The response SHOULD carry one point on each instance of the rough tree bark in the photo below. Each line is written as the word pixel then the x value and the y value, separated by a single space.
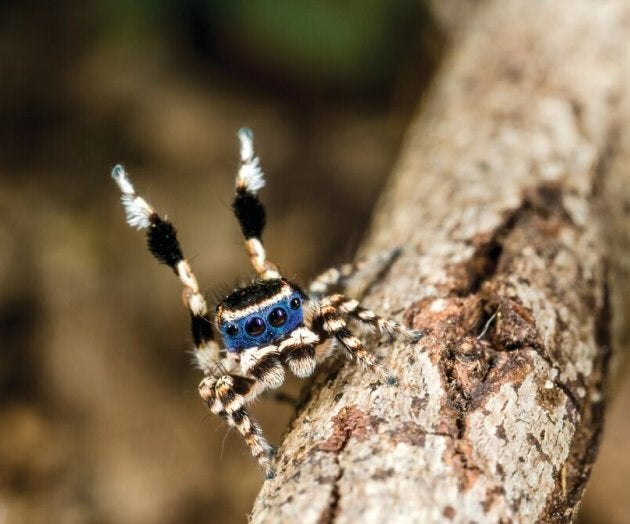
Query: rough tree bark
pixel 497 199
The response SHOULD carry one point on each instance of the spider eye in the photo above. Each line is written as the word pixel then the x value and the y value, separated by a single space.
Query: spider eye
pixel 255 326
pixel 277 317
pixel 231 329
pixel 295 303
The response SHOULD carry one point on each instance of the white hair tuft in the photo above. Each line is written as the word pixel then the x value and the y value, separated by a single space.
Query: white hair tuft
pixel 137 210
pixel 250 176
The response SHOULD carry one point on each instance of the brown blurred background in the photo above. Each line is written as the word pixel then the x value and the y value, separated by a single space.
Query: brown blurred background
pixel 100 421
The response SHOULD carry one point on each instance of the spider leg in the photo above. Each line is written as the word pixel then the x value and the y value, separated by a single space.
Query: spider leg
pixel 248 208
pixel 384 326
pixel 164 246
pixel 363 272
pixel 328 322
pixel 226 396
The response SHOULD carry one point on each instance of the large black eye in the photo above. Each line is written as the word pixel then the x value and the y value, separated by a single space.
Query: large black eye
pixel 231 329
pixel 255 326
pixel 277 317
pixel 295 303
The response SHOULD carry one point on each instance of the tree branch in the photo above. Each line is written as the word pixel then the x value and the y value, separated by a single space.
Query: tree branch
pixel 497 200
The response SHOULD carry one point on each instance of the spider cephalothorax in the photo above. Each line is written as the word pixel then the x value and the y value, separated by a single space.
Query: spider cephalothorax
pixel 266 326
pixel 265 312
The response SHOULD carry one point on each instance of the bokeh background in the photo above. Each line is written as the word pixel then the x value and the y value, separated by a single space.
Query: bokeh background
pixel 100 421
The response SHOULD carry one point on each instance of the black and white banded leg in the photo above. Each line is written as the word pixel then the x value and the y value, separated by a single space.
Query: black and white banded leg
pixel 164 246
pixel 328 322
pixel 350 307
pixel 227 396
pixel 248 208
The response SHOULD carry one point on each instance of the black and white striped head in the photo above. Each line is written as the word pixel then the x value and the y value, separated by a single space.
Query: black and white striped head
pixel 260 314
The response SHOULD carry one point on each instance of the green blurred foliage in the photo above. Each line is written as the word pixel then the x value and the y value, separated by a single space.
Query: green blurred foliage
pixel 344 45
pixel 351 43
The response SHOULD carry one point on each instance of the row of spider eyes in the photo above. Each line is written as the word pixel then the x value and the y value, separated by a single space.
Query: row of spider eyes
pixel 256 326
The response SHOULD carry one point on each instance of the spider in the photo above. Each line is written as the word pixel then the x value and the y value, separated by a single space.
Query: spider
pixel 266 326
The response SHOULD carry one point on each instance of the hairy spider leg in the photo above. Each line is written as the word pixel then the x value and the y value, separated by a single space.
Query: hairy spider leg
pixel 228 394
pixel 227 397
pixel 350 307
pixel 364 271
pixel 248 208
pixel 328 322
pixel 164 246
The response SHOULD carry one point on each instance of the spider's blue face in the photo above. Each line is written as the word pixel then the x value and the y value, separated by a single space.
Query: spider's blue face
pixel 260 314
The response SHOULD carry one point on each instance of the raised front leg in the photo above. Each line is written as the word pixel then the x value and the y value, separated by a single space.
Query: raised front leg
pixel 248 208
pixel 164 246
